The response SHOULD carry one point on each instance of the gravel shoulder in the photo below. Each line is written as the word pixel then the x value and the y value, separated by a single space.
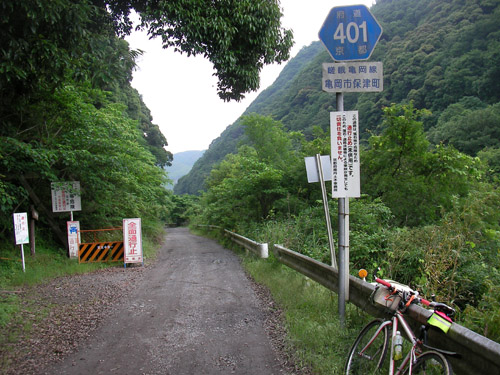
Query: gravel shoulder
pixel 193 311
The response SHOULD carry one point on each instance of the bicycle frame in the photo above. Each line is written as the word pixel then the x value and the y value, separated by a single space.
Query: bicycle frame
pixel 411 356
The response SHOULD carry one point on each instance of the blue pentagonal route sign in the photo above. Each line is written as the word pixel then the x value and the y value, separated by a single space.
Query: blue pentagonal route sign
pixel 350 33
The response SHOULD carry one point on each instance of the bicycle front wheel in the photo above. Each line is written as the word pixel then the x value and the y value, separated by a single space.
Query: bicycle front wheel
pixel 369 350
pixel 431 363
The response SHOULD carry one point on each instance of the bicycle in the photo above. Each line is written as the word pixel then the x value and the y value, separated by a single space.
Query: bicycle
pixel 370 348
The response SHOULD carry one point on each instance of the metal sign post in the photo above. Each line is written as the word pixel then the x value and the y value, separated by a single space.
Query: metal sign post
pixel 343 241
pixel 316 172
pixel 326 209
pixel 349 33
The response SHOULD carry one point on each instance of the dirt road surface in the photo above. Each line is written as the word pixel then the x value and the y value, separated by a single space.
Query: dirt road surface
pixel 193 312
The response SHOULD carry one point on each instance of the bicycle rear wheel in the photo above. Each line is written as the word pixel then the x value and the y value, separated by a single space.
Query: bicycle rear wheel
pixel 368 351
pixel 431 363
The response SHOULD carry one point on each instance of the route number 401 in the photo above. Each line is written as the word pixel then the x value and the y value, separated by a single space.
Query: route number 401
pixel 352 32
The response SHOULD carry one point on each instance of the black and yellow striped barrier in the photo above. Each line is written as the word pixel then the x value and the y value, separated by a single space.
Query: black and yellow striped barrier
pixel 100 252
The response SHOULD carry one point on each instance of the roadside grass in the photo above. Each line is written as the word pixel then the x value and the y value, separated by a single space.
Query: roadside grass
pixel 315 337
pixel 49 262
pixel 311 315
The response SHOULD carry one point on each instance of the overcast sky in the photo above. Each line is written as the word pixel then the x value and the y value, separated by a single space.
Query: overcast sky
pixel 181 91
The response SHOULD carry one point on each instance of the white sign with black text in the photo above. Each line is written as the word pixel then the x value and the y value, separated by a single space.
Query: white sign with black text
pixel 66 196
pixel 345 154
pixel 21 232
pixel 353 77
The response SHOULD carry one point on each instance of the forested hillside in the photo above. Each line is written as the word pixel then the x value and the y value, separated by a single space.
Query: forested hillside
pixel 69 113
pixel 429 211
pixel 442 55
pixel 181 165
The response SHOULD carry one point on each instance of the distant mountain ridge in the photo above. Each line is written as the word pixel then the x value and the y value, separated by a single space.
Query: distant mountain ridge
pixel 182 164
pixel 443 55
pixel 230 138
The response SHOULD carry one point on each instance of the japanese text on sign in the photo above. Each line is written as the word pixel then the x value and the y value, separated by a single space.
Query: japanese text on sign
pixel 345 154
pixel 132 241
pixel 353 77
pixel 66 196
pixel 73 238
pixel 350 33
pixel 21 228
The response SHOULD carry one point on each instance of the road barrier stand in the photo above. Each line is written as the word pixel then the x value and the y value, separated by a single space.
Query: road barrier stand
pixel 100 252
pixel 101 245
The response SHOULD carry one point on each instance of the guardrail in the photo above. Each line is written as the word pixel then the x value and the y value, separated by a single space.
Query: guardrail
pixel 480 355
pixel 261 249
pixel 211 227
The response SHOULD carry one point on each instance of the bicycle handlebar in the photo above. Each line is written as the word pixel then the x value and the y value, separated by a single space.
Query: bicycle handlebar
pixel 449 311
pixel 384 283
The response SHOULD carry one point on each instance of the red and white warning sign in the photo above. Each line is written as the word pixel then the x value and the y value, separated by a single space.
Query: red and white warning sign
pixel 132 241
pixel 345 154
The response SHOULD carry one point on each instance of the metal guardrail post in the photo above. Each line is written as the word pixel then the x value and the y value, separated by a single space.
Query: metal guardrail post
pixel 261 249
pixel 264 251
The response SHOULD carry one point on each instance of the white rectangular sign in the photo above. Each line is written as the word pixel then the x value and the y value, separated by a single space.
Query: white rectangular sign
pixel 132 241
pixel 66 196
pixel 312 168
pixel 73 238
pixel 353 77
pixel 345 154
pixel 21 228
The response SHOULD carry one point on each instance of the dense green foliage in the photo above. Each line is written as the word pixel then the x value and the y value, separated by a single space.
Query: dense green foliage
pixel 444 55
pixel 68 112
pixel 416 180
pixel 429 214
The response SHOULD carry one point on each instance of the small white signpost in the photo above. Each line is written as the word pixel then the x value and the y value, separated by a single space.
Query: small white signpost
pixel 66 198
pixel 21 232
pixel 73 238
pixel 132 241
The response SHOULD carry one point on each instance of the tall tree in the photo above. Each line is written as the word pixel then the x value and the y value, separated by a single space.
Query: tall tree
pixel 415 181
pixel 65 75
pixel 238 36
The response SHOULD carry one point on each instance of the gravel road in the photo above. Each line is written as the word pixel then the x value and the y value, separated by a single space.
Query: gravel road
pixel 194 311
